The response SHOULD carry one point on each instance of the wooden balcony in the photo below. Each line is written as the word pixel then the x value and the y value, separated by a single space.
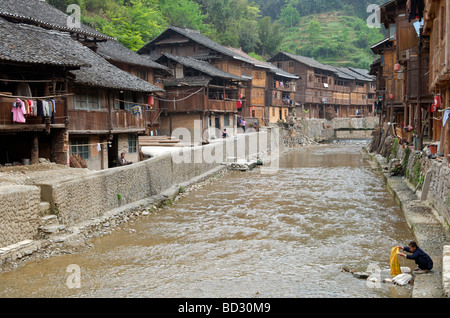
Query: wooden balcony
pixel 31 123
pixel 221 105
pixel 439 71
pixel 88 121
pixel 124 120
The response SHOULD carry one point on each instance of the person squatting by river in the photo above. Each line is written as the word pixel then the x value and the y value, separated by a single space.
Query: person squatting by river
pixel 423 261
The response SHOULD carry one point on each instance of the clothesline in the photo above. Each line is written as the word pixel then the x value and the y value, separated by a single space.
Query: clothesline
pixel 179 100
pixel 96 144
pixel 36 97
pixel 26 81
pixel 139 104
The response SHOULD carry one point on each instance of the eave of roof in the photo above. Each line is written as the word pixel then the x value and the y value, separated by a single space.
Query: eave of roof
pixel 197 37
pixel 23 43
pixel 43 14
pixel 114 51
pixel 203 67
pixel 265 65
pixel 104 74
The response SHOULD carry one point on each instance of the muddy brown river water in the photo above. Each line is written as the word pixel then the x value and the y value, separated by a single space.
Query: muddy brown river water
pixel 246 234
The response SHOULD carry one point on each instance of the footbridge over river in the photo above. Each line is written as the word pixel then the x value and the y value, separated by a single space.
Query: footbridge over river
pixel 338 128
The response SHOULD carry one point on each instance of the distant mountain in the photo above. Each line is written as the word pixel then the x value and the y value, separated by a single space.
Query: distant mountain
pixel 331 31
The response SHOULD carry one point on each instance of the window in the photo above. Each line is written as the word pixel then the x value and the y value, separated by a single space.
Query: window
pixel 132 143
pixel 80 146
pixel 392 31
pixel 291 64
pixel 141 73
pixel 226 120
pixel 86 99
pixel 128 99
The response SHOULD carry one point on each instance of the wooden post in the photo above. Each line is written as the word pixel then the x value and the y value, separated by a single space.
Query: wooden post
pixel 419 108
pixel 35 150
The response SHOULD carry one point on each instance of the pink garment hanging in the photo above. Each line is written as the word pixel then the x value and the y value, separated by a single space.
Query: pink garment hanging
pixel 19 111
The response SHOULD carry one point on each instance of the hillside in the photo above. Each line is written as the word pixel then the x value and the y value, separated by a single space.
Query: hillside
pixel 334 38
pixel 259 27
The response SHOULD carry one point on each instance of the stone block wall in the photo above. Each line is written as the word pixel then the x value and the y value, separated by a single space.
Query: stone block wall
pixel 19 213
pixel 439 189
pixel 83 197
pixel 90 196
pixel 430 176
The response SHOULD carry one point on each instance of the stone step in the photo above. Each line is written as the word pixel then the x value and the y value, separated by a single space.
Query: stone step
pixel 44 207
pixel 49 220
pixel 52 229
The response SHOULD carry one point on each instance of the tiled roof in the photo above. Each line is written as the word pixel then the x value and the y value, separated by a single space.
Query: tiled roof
pixel 257 63
pixel 44 14
pixel 104 74
pixel 197 37
pixel 114 51
pixel 347 73
pixel 203 67
pixel 30 44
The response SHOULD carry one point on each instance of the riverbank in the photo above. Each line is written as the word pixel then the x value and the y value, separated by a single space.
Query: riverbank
pixel 83 187
pixel 76 239
pixel 430 229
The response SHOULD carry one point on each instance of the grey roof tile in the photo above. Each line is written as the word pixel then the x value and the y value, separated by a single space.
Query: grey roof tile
pixel 29 44
pixel 115 51
pixel 37 11
pixel 203 67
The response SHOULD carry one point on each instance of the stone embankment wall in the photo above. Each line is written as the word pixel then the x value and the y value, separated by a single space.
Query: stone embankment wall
pixel 429 176
pixel 19 213
pixel 78 198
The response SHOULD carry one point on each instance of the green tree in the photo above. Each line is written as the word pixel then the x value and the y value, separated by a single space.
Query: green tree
pixel 270 35
pixel 289 15
pixel 313 31
pixel 183 13
pixel 133 24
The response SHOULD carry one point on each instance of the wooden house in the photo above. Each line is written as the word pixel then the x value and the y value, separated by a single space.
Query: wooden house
pixel 198 91
pixel 34 64
pixel 402 73
pixel 271 91
pixel 437 27
pixel 351 92
pixel 99 121
pixel 140 66
pixel 107 111
pixel 191 43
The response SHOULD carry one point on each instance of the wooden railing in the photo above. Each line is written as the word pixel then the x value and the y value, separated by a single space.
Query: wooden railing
pixel 222 105
pixel 85 120
pixel 123 119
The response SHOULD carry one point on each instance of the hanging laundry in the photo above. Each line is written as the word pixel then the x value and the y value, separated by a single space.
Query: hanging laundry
pixel 19 111
pixel 416 8
pixel 445 117
pixel 135 109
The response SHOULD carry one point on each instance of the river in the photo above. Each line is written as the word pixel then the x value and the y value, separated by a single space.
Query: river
pixel 246 234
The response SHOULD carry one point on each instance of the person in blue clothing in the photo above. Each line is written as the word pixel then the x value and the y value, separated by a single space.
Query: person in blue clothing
pixel 423 261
